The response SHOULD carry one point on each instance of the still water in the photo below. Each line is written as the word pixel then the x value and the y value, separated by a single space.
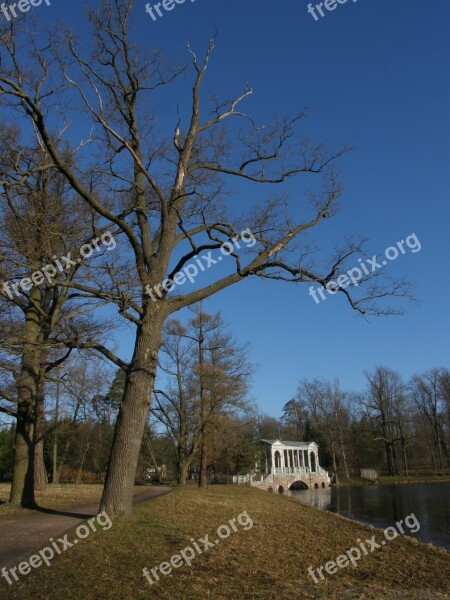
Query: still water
pixel 384 505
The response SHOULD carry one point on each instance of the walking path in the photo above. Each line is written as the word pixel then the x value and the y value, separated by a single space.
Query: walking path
pixel 20 536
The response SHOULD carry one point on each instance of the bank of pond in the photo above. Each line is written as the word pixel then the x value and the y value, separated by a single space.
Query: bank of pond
pixel 383 505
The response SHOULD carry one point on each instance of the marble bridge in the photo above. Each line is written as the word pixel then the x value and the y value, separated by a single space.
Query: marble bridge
pixel 288 465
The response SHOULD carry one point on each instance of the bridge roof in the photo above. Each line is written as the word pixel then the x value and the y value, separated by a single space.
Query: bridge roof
pixel 290 444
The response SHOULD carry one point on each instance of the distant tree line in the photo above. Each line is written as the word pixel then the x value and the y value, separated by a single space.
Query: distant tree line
pixel 392 426
pixel 203 424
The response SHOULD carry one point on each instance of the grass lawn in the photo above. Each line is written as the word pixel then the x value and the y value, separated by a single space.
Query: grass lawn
pixel 269 560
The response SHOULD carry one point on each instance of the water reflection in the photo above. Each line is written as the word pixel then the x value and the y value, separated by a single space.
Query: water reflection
pixel 384 505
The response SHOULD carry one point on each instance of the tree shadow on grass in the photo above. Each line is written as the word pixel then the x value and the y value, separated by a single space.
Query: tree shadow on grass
pixel 65 513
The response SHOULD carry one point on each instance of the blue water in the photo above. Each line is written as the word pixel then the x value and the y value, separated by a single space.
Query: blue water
pixel 383 505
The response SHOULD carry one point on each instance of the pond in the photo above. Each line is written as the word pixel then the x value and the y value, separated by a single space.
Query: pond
pixel 383 505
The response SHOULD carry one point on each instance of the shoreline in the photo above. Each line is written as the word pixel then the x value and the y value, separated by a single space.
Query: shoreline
pixel 365 483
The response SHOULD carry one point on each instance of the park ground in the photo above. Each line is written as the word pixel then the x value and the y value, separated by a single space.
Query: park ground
pixel 268 560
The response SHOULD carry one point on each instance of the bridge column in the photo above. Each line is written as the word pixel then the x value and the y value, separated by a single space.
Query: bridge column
pixel 306 458
pixel 274 461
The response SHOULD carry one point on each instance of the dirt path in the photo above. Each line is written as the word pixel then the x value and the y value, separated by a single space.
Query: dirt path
pixel 20 536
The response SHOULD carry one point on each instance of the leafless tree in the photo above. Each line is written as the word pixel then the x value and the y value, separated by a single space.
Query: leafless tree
pixel 166 193
pixel 429 392
pixel 385 402
pixel 210 382
pixel 43 221
pixel 327 407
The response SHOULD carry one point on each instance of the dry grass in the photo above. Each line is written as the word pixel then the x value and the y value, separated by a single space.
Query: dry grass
pixel 268 561
pixel 57 497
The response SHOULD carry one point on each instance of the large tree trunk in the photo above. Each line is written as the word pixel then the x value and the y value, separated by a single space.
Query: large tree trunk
pixel 118 491
pixel 22 488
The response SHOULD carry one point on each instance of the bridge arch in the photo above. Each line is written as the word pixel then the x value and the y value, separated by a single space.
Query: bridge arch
pixel 298 485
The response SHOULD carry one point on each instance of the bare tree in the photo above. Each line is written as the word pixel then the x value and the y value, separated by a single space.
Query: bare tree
pixel 326 405
pixel 175 406
pixel 444 389
pixel 43 220
pixel 428 392
pixel 210 381
pixel 384 403
pixel 166 193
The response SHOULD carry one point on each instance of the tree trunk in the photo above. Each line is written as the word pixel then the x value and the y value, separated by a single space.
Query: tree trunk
pixel 183 468
pixel 40 472
pixel 56 471
pixel 120 476
pixel 405 459
pixel 203 481
pixel 22 488
pixel 183 465
pixel 203 477
pixel 390 458
pixel 80 470
pixel 343 452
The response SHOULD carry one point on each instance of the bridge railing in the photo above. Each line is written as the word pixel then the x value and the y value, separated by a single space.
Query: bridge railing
pixel 291 471
pixel 299 471
pixel 322 471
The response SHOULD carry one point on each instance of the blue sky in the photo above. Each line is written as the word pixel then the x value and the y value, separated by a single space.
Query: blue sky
pixel 374 74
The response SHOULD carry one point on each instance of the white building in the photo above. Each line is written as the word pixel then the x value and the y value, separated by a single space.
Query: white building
pixel 288 465
pixel 285 458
